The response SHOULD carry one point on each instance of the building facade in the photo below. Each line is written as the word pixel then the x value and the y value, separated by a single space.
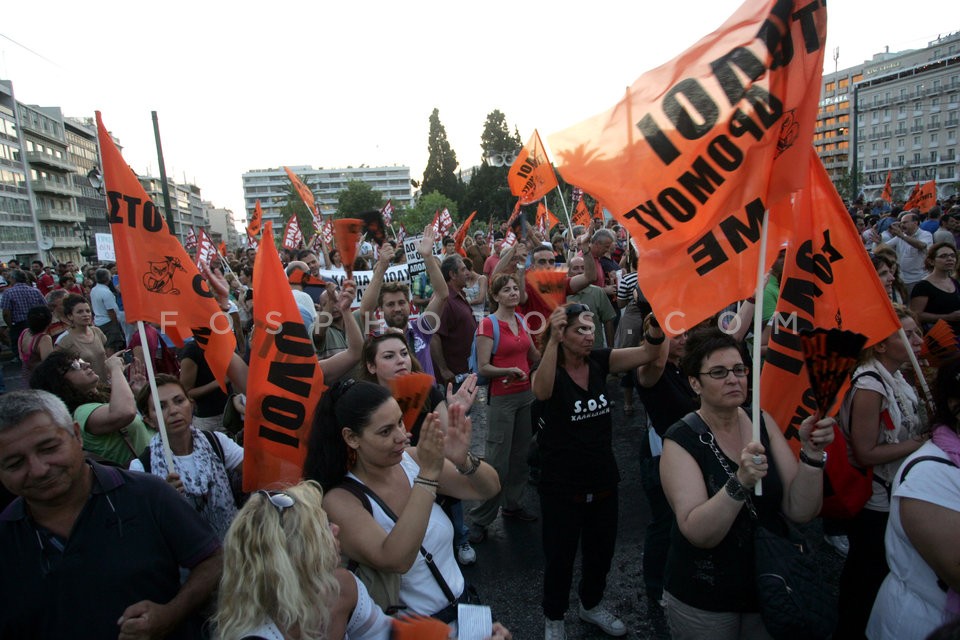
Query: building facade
pixel 272 187
pixel 19 231
pixel 186 204
pixel 222 226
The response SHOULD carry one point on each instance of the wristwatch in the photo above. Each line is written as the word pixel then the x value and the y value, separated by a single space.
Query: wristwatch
pixel 473 462
pixel 807 460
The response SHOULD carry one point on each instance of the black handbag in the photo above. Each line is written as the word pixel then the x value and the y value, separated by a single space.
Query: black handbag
pixel 791 589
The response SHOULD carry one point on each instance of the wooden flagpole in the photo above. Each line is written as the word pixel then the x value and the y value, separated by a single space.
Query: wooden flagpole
pixel 152 381
pixel 757 332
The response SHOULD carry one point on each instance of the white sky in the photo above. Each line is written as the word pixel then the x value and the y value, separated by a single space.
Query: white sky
pixel 239 86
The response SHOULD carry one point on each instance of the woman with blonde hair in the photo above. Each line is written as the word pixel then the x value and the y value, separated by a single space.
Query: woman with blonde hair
pixel 281 578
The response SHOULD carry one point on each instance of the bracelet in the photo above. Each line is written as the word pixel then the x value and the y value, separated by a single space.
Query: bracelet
pixel 431 488
pixel 653 341
pixel 807 460
pixel 473 463
pixel 426 481
pixel 735 490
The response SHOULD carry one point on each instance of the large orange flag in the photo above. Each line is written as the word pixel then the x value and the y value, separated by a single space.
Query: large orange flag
pixel 160 282
pixel 531 176
pixel 887 189
pixel 346 233
pixel 307 196
pixel 461 234
pixel 581 215
pixel 828 282
pixel 253 229
pixel 285 381
pixel 700 147
pixel 923 197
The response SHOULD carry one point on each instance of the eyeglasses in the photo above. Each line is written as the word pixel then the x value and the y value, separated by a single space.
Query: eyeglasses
pixel 577 309
pixel 79 365
pixel 719 373
pixel 279 500
pixel 947 256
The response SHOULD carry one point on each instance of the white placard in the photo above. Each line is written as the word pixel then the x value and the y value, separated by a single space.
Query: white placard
pixel 397 273
pixel 105 251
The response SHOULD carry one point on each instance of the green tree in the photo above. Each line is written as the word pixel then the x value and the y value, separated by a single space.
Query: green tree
pixel 293 205
pixel 844 183
pixel 440 174
pixel 488 192
pixel 358 197
pixel 421 214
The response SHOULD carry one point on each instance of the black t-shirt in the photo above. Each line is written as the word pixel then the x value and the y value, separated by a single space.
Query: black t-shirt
pixel 576 445
pixel 938 300
pixel 212 403
pixel 722 578
pixel 669 399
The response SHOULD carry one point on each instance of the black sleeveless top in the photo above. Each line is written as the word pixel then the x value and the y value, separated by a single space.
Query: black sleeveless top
pixel 720 579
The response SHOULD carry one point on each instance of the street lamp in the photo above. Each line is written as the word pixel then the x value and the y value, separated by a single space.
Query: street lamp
pixel 84 229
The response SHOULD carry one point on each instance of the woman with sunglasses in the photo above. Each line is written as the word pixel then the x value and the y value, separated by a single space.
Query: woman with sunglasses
pixel 359 445
pixel 579 476
pixel 884 422
pixel 207 465
pixel 937 296
pixel 107 415
pixel 709 467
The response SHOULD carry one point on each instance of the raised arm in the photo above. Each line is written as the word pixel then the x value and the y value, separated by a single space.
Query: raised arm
pixel 546 374
pixel 368 305
pixel 341 363
pixel 440 289
pixel 122 408
pixel 583 280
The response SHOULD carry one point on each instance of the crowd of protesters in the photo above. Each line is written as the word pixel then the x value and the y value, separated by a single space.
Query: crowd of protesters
pixel 108 527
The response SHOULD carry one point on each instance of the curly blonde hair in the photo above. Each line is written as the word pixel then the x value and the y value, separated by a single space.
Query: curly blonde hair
pixel 279 566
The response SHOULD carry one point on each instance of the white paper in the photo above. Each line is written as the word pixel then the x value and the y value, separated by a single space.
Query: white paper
pixel 474 621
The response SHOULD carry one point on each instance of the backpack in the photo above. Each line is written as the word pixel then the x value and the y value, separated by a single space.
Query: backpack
pixel 473 363
pixel 846 487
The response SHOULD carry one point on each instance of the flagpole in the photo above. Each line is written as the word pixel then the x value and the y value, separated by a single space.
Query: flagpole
pixel 152 381
pixel 163 174
pixel 757 332
pixel 916 367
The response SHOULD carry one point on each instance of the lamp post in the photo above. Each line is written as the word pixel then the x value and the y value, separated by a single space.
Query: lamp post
pixel 84 229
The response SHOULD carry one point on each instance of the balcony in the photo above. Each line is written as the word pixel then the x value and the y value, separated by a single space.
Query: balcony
pixel 67 242
pixel 951 123
pixel 43 159
pixel 933 126
pixel 58 215
pixel 917 128
pixel 58 188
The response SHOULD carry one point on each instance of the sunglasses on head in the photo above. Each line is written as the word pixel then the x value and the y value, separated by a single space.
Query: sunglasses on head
pixel 577 309
pixel 280 500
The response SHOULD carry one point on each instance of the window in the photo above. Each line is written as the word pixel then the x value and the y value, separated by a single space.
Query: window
pixel 900 160
pixel 886 163
pixel 916 158
pixel 933 156
pixel 933 139
pixel 951 153
pixel 900 145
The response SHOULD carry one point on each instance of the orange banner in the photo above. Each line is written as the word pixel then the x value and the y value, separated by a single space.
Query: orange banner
pixel 223 249
pixel 307 196
pixel 253 229
pixel 346 233
pixel 550 285
pixel 285 381
pixel 923 197
pixel 160 282
pixel 828 282
pixel 700 147
pixel 545 220
pixel 581 215
pixel 410 392
pixel 531 176
pixel 461 234
pixel 887 190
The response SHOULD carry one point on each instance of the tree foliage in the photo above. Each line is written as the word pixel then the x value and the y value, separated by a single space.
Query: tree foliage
pixel 421 214
pixel 358 197
pixel 440 174
pixel 845 184
pixel 488 192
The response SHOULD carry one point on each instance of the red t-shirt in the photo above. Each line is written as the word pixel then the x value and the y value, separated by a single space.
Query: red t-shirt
pixel 511 352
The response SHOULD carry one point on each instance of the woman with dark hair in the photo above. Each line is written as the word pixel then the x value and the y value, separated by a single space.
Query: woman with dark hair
pixel 107 415
pixel 709 468
pixel 358 447
pixel 34 344
pixel 579 476
pixel 82 338
pixel 335 259
pixel 921 591
pixel 937 296
pixel 886 257
pixel 68 282
pixel 58 323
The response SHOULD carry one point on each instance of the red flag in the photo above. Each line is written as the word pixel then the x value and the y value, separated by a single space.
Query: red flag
pixel 531 176
pixel 284 384
pixel 887 189
pixel 205 249
pixel 387 212
pixel 700 147
pixel 436 222
pixel 401 234
pixel 326 234
pixel 828 282
pixel 292 236
pixel 347 232
pixel 923 197
pixel 445 222
pixel 190 244
pixel 252 243
pixel 160 282
pixel 253 229
pixel 461 234
pixel 223 249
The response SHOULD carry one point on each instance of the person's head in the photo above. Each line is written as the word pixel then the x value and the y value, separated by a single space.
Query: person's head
pixel 449 246
pixel 41 455
pixel 102 276
pixel 543 257
pixel 575 267
pixel 946 394
pixel 292 269
pixel 557 243
pixel 55 298
pixel 335 258
pixel 309 258
pixel 69 377
pixel 860 223
pixel 279 557
pixel 454 272
pixel 175 405
pixel 504 291
pixel 385 356
pixel 601 242
pixel 357 423
pixel 910 221
pixel 468 263
pixel 713 363
pixel 394 303
pixel 892 352
pixel 67 281
pixel 38 319
pixel 77 312
pixel 578 336
pixel 37 267
pixel 941 257
pixel 951 222
pixel 13 263
pixel 885 270
pixel 18 276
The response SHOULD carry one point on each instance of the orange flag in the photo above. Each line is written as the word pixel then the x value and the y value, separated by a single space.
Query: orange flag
pixel 410 392
pixel 307 196
pixel 545 220
pixel 223 249
pixel 253 229
pixel 531 176
pixel 160 282
pixel 285 381
pixel 581 215
pixel 923 197
pixel 598 211
pixel 828 282
pixel 887 189
pixel 346 233
pixel 461 234
pixel 550 285
pixel 700 147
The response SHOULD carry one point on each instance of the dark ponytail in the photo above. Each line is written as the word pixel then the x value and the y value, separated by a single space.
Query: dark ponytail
pixel 346 404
